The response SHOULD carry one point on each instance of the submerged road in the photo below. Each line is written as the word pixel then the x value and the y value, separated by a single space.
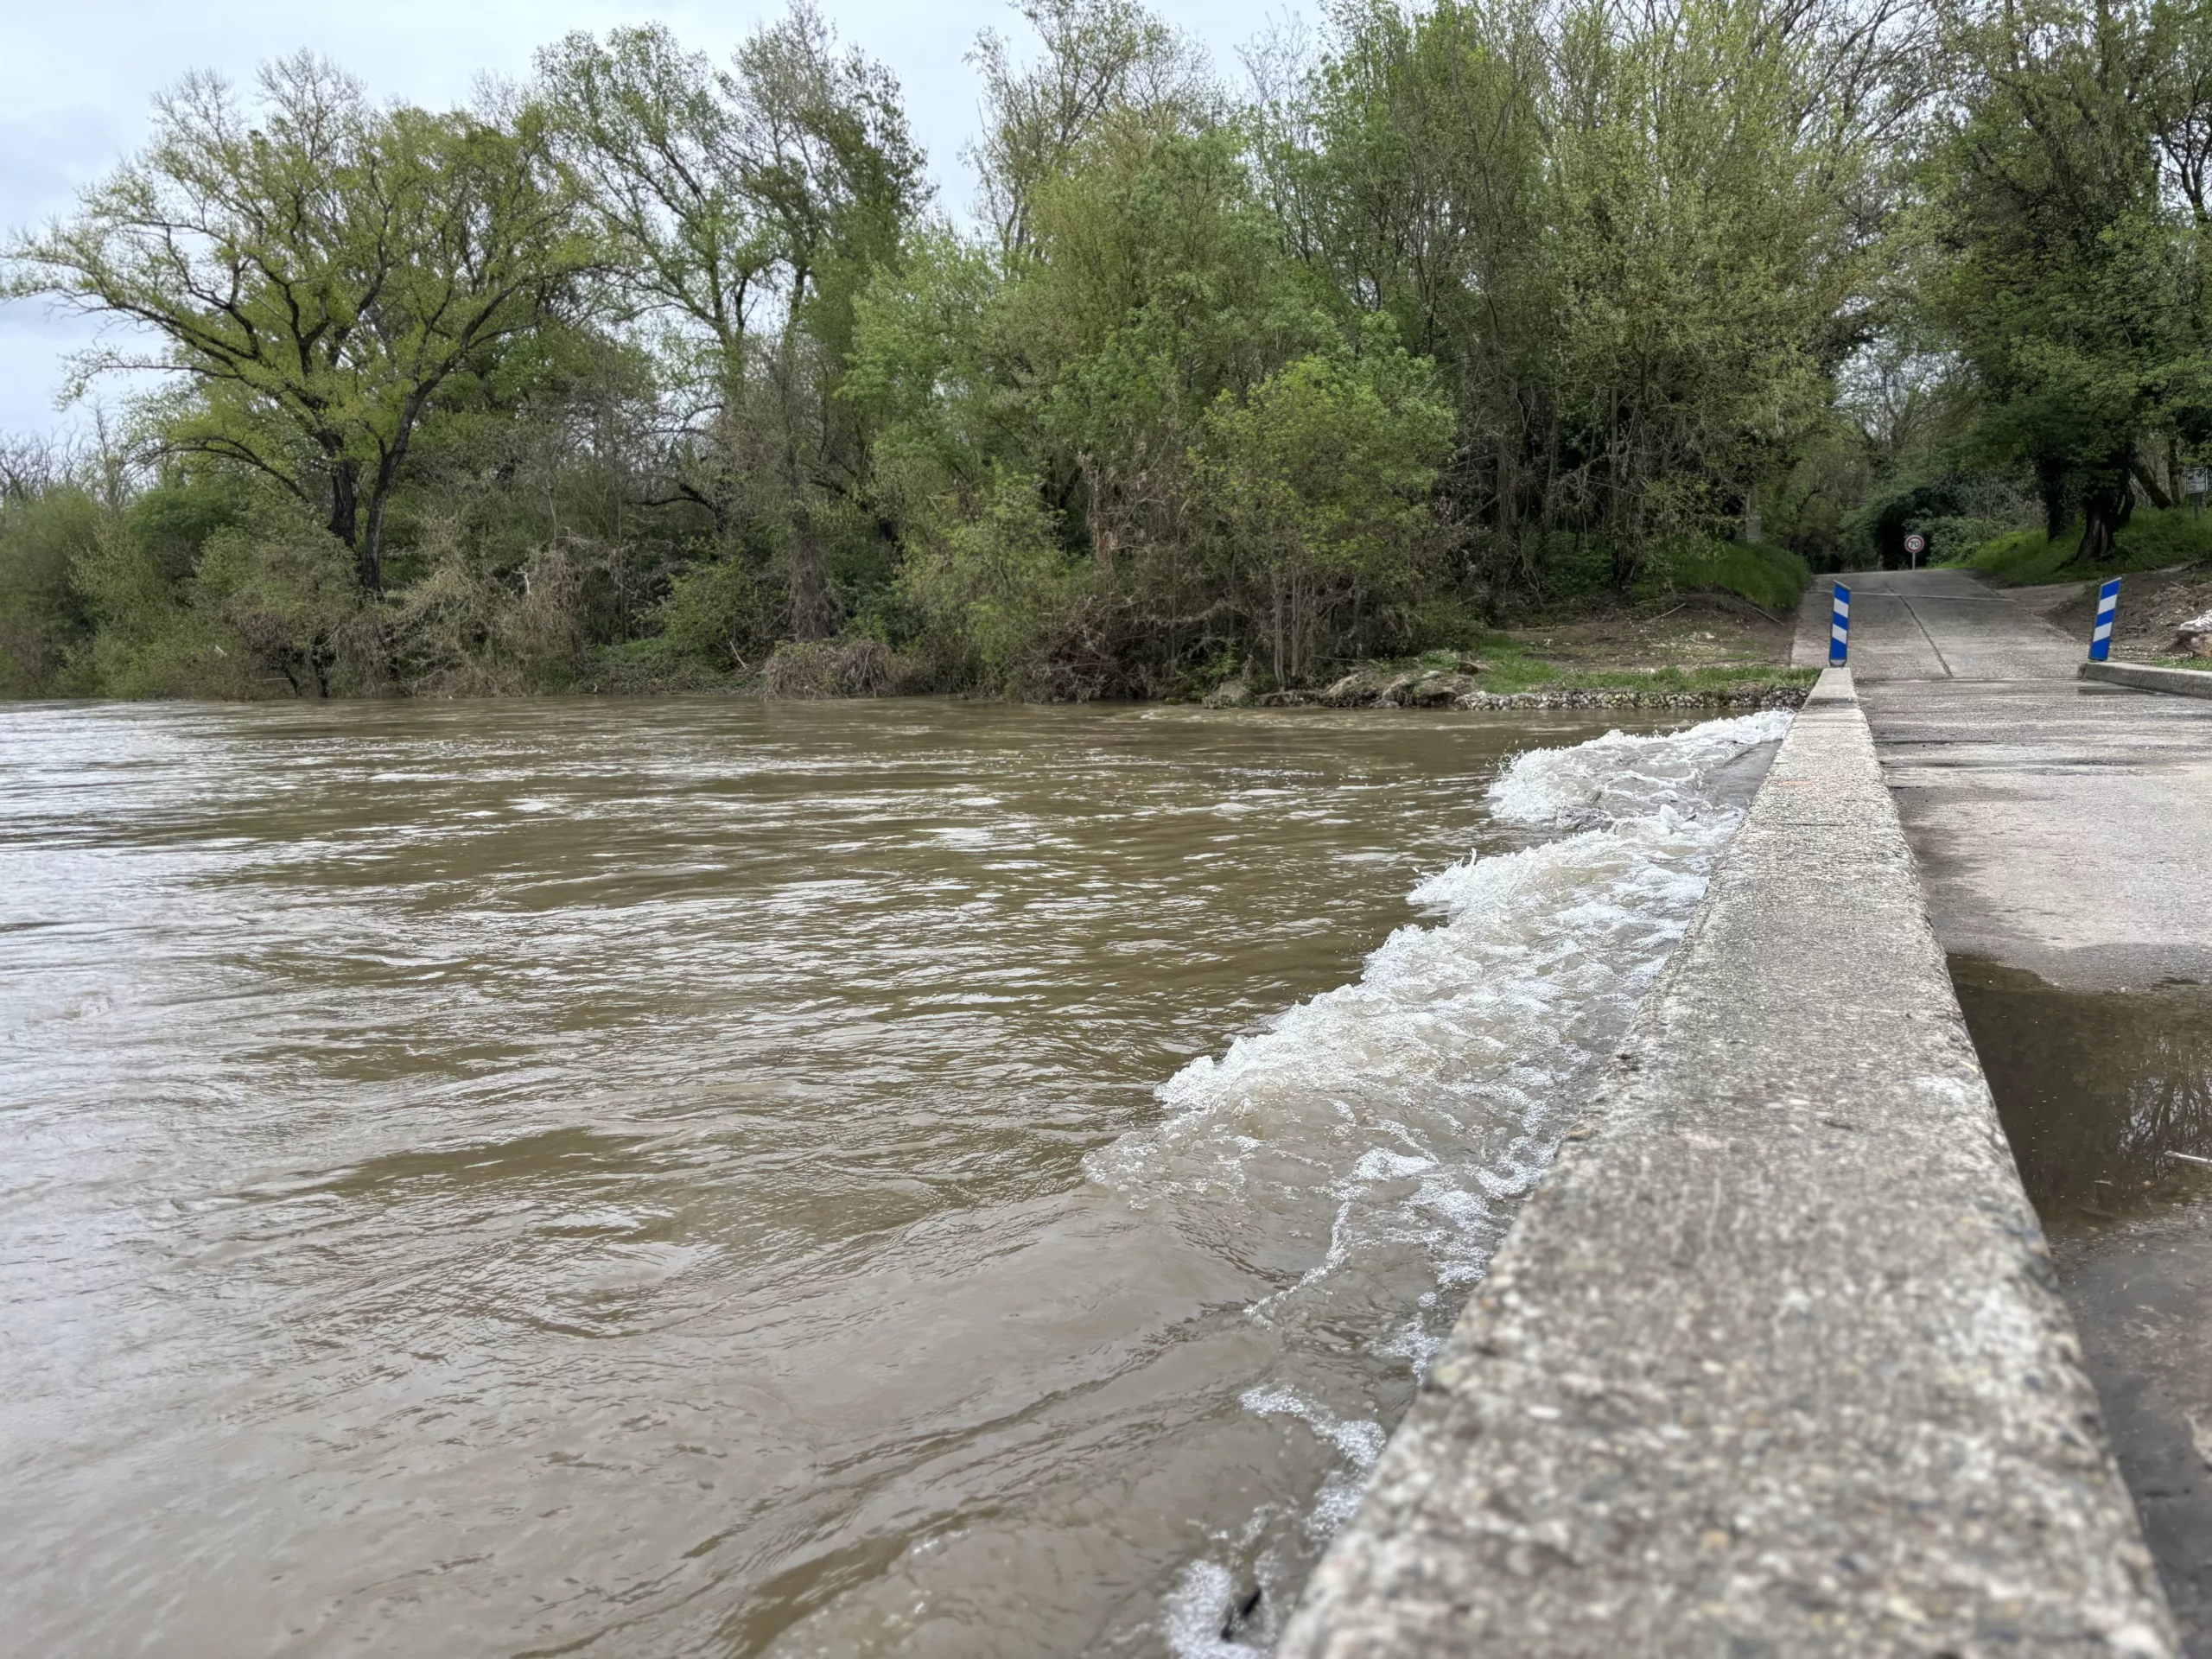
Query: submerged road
pixel 2063 833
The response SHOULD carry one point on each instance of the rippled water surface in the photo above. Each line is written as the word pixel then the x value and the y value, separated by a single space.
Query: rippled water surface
pixel 710 1178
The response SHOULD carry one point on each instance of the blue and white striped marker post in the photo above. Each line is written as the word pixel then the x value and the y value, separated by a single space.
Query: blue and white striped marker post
pixel 1840 627
pixel 2107 602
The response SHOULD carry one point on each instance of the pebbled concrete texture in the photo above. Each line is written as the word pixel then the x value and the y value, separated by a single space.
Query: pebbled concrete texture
pixel 1772 1363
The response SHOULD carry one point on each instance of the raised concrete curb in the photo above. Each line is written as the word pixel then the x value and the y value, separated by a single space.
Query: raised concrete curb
pixel 1772 1363
pixel 2142 677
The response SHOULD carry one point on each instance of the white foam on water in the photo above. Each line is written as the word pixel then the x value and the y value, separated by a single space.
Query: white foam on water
pixel 1367 1151
pixel 1193 1615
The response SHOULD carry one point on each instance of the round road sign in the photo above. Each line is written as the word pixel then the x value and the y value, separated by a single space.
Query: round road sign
pixel 1916 542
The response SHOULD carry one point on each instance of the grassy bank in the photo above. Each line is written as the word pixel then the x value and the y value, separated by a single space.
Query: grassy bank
pixel 1771 578
pixel 2154 539
pixel 1510 666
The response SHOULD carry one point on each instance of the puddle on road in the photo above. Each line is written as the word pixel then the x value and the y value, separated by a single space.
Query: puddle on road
pixel 2098 1089
pixel 2106 1098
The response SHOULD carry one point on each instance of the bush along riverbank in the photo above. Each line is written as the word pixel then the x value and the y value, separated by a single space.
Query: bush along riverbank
pixel 1711 649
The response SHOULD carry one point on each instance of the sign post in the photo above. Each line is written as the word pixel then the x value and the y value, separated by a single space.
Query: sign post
pixel 2107 602
pixel 1914 546
pixel 1840 627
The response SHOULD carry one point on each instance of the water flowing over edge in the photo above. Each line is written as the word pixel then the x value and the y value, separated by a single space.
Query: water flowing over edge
pixel 1420 1105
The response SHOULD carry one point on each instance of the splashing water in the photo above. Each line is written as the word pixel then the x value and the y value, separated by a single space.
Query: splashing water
pixel 1421 1103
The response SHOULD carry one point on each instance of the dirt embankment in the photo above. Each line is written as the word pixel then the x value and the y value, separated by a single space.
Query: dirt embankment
pixel 1697 631
pixel 1703 651
pixel 2153 604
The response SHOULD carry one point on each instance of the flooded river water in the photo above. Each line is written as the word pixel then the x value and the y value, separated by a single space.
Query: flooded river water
pixel 712 1178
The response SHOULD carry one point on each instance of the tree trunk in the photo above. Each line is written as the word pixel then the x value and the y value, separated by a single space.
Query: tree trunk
pixel 1276 583
pixel 1509 494
pixel 370 556
pixel 2149 480
pixel 814 608
pixel 371 552
pixel 2105 510
pixel 345 509
pixel 2051 484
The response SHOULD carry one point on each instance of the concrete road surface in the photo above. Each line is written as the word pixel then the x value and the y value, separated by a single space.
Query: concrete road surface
pixel 2060 828
pixel 2065 829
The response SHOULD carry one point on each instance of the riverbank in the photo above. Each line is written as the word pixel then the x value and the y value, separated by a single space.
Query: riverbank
pixel 1710 650
pixel 1697 650
pixel 1386 686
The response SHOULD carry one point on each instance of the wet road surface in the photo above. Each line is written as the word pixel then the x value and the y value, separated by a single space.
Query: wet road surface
pixel 2063 833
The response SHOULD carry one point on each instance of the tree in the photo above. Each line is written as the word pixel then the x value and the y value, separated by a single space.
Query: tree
pixel 653 145
pixel 319 276
pixel 2070 235
pixel 1632 238
pixel 1318 483
pixel 1099 57
pixel 745 208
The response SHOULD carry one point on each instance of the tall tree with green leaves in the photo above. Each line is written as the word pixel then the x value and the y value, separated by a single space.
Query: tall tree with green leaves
pixel 1632 237
pixel 2052 269
pixel 745 208
pixel 318 271
pixel 1097 59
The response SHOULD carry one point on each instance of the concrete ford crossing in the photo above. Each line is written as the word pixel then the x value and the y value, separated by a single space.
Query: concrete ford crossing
pixel 1772 1364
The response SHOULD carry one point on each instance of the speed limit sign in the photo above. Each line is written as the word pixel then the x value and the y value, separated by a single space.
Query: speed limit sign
pixel 1915 544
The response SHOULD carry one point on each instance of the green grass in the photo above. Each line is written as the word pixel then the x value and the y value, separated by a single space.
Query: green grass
pixel 2152 541
pixel 1770 578
pixel 1508 677
pixel 1508 667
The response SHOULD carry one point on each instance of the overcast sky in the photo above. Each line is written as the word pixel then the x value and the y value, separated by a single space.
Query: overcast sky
pixel 77 77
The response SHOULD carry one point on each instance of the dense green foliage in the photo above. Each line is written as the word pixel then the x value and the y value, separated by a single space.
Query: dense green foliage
pixel 2151 540
pixel 658 372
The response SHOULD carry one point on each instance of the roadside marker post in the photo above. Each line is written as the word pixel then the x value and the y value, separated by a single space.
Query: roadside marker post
pixel 1840 627
pixel 2107 602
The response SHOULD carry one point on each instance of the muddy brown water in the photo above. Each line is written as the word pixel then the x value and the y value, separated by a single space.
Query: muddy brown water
pixel 2106 1098
pixel 695 1177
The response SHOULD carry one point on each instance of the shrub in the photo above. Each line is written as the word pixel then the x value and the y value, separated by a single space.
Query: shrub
pixel 466 630
pixel 848 668
pixel 44 619
pixel 993 588
pixel 281 591
pixel 723 612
